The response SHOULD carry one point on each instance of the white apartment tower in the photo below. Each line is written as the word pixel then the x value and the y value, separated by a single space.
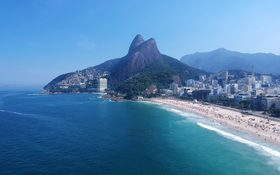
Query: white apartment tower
pixel 102 84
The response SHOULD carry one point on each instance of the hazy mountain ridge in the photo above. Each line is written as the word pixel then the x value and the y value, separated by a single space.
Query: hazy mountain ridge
pixel 222 59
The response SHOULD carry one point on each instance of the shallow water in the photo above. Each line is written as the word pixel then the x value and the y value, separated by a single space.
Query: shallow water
pixel 83 134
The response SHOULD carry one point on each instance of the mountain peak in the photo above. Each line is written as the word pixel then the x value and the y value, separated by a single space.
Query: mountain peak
pixel 137 41
pixel 149 44
pixel 143 61
pixel 221 50
pixel 146 50
pixel 223 59
pixel 141 55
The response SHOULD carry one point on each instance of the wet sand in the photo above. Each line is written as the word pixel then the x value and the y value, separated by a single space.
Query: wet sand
pixel 264 128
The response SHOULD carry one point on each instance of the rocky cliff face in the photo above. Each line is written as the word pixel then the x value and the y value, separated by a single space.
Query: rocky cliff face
pixel 138 40
pixel 141 54
pixel 142 57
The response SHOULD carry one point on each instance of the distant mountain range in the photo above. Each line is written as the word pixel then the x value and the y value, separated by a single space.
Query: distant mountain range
pixel 143 66
pixel 222 59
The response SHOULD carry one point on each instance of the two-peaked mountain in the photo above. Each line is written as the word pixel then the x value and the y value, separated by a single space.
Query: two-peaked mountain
pixel 143 66
pixel 222 59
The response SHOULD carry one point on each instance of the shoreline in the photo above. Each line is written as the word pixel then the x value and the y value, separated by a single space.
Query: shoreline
pixel 262 128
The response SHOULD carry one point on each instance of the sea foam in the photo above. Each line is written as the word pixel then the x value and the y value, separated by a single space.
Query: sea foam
pixel 264 150
pixel 199 119
pixel 273 155
pixel 36 94
pixel 182 113
pixel 12 112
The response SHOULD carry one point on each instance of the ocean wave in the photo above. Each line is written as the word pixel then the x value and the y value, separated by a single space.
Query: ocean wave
pixel 33 116
pixel 13 112
pixel 37 94
pixel 264 150
pixel 274 155
pixel 148 103
pixel 189 115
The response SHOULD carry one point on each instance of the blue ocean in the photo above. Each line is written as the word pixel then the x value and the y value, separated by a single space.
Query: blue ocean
pixel 86 134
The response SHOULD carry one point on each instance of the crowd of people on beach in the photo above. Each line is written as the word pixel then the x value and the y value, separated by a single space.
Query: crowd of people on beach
pixel 261 127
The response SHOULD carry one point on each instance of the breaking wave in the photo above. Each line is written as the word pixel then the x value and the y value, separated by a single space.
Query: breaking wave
pixel 13 112
pixel 264 150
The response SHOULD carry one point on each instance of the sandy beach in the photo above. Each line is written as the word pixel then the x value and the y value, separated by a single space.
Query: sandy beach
pixel 263 128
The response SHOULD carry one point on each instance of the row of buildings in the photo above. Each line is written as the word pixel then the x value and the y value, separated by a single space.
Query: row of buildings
pixel 260 92
pixel 97 84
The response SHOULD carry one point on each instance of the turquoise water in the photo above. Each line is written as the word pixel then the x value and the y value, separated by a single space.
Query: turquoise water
pixel 84 134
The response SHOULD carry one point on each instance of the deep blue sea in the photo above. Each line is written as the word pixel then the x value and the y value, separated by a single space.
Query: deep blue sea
pixel 85 134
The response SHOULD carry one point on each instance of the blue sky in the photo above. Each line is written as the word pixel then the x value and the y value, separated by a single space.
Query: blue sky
pixel 40 39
